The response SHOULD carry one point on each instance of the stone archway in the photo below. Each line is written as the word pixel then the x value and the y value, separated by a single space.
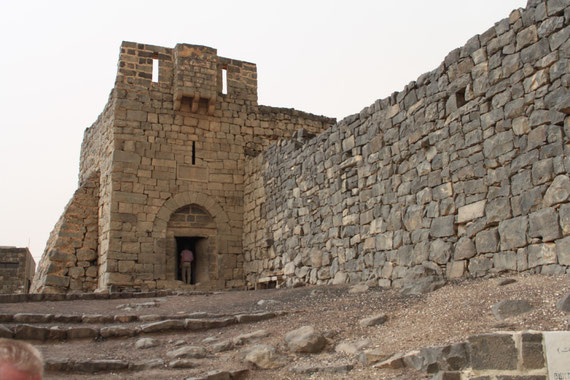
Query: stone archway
pixel 191 227
pixel 197 217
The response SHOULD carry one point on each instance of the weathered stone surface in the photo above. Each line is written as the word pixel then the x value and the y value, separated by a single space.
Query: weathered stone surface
pixel 225 345
pixel 558 191
pixel 422 285
pixel 510 308
pixel 372 356
pixel 309 369
pixel 32 318
pixel 544 224
pixel 493 351
pixel 82 333
pixel 187 352
pixel 443 226
pixel 263 356
pixel 471 211
pixel 513 233
pixel 183 363
pixel 169 324
pixel 440 251
pixel 397 361
pixel 251 337
pixel 373 320
pixel 563 251
pixel 146 343
pixel 541 254
pixel 505 261
pixel 117 331
pixel 351 348
pixel 532 351
pixel 564 303
pixel 464 249
pixel 96 318
pixel 487 241
pixel 29 332
pixel 305 339
pixel 249 318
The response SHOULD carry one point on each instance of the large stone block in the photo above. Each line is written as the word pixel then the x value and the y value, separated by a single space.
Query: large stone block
pixel 563 251
pixel 471 211
pixel 493 352
pixel 498 144
pixel 465 249
pixel 558 191
pixel 505 261
pixel 541 254
pixel 480 266
pixel 513 233
pixel 443 226
pixel 544 224
pixel 440 251
pixel 498 209
pixel 487 241
pixel 532 351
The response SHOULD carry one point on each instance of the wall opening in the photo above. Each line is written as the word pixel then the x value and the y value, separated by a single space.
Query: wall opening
pixel 199 267
pixel 460 98
pixel 224 80
pixel 193 152
pixel 155 68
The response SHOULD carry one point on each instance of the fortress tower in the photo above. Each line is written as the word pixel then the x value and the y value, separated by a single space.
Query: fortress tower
pixel 163 168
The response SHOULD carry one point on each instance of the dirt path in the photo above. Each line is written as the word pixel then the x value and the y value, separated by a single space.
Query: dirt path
pixel 450 314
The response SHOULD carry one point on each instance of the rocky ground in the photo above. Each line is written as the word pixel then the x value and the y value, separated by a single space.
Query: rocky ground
pixel 447 315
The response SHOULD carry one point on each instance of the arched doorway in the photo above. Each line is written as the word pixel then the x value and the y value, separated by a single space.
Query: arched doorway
pixel 194 228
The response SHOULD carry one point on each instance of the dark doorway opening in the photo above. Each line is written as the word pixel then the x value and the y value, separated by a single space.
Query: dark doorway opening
pixel 191 243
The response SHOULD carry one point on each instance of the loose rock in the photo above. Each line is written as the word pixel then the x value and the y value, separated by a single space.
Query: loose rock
pixel 374 320
pixel 146 343
pixel 510 308
pixel 263 356
pixel 305 339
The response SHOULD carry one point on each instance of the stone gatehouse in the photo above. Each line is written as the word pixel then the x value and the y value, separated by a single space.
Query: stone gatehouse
pixel 463 173
pixel 163 167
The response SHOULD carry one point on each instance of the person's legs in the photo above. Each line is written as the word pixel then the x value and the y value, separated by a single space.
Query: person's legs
pixel 186 272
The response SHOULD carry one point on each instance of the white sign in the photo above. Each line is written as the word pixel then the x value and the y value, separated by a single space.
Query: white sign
pixel 558 354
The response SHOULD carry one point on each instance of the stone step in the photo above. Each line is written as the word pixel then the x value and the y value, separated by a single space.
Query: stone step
pixel 58 333
pixel 116 365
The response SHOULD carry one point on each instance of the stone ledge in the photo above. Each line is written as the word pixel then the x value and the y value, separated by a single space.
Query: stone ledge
pixel 58 333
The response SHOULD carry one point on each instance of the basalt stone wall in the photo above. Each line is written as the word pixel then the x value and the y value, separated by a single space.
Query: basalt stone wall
pixel 463 173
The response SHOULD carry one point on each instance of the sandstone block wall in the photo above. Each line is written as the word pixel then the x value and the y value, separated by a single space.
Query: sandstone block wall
pixel 70 257
pixel 17 268
pixel 463 173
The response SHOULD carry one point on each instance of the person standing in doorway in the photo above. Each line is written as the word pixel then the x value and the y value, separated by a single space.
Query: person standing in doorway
pixel 186 258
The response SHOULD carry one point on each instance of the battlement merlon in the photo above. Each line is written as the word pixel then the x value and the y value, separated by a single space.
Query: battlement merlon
pixel 195 74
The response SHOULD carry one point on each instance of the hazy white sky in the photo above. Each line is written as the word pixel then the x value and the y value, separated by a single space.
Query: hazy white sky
pixel 334 57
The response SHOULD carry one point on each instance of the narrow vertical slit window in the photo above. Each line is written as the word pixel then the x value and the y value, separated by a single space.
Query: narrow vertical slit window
pixel 155 69
pixel 224 81
pixel 193 152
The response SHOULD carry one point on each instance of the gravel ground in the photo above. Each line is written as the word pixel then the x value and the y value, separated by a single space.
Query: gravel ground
pixel 450 314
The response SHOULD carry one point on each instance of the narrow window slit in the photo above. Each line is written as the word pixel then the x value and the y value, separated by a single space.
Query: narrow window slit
pixel 460 98
pixel 193 152
pixel 155 68
pixel 224 81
